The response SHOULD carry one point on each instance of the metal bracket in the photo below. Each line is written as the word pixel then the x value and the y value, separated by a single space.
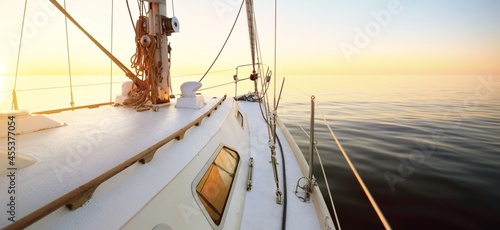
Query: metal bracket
pixel 250 172
pixel 306 187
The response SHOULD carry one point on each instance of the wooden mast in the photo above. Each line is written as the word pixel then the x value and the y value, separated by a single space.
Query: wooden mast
pixel 160 27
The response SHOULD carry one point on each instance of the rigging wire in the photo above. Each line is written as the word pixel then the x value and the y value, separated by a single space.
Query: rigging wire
pixel 283 166
pixel 223 84
pixel 140 4
pixel 257 44
pixel 358 177
pixel 264 99
pixel 195 74
pixel 72 102
pixel 324 177
pixel 14 97
pixel 275 44
pixel 128 73
pixel 353 169
pixel 130 15
pixel 173 9
pixel 142 8
pixel 222 48
pixel 111 50
pixel 272 119
pixel 62 87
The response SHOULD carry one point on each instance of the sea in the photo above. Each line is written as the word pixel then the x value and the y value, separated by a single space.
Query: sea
pixel 426 146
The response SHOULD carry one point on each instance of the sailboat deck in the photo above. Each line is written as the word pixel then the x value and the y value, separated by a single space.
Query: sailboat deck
pixel 93 142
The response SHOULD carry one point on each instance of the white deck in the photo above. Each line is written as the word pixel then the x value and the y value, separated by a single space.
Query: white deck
pixel 261 210
pixel 88 146
pixel 91 144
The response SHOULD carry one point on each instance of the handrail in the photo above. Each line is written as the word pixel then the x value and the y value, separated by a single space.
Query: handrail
pixel 77 197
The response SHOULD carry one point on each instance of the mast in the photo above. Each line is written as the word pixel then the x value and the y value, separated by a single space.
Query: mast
pixel 251 30
pixel 251 33
pixel 159 27
pixel 152 58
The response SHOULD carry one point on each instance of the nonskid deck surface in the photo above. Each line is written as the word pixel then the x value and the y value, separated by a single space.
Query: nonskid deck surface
pixel 261 210
pixel 96 140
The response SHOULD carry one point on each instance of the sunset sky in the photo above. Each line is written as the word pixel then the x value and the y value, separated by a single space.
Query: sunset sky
pixel 314 37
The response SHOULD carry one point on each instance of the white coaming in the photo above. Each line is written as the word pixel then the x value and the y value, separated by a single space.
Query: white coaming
pixel 176 205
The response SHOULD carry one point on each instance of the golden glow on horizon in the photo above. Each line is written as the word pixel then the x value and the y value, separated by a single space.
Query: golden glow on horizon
pixel 406 46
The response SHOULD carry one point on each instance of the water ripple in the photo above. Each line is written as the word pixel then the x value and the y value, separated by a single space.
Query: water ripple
pixel 441 156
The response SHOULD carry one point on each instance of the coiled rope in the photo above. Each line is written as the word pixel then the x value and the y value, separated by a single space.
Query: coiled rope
pixel 143 61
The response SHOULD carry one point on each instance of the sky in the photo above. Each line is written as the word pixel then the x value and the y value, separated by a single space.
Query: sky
pixel 323 37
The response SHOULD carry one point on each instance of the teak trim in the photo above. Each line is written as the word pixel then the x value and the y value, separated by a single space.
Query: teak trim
pixel 83 193
pixel 74 108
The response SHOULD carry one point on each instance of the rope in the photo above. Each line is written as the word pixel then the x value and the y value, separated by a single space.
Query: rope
pixel 138 58
pixel 72 103
pixel 14 97
pixel 358 177
pixel 143 61
pixel 222 48
pixel 111 49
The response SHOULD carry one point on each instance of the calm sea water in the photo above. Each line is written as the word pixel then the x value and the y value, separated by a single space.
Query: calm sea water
pixel 427 147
